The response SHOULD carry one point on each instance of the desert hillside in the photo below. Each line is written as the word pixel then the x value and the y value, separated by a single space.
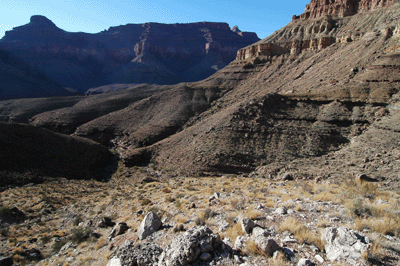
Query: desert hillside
pixel 289 155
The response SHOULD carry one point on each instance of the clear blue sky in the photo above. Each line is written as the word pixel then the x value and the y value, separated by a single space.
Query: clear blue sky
pixel 262 17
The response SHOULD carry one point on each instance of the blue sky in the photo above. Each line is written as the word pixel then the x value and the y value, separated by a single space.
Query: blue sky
pixel 262 17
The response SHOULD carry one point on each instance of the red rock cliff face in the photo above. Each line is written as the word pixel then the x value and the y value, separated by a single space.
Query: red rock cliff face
pixel 320 26
pixel 341 8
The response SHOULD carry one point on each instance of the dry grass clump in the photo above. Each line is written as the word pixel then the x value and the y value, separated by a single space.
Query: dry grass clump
pixel 253 249
pixel 269 202
pixel 301 232
pixel 234 231
pixel 238 203
pixel 279 260
pixel 323 223
pixel 384 225
pixel 253 214
pixel 101 243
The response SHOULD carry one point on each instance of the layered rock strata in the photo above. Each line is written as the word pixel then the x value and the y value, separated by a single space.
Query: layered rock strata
pixel 324 23
pixel 135 53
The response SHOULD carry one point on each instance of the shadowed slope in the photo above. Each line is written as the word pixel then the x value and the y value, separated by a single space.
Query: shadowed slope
pixel 28 154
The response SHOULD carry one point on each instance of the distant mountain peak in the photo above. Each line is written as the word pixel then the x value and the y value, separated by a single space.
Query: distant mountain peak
pixel 236 29
pixel 42 20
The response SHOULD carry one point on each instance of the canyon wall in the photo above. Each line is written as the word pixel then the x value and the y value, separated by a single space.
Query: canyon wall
pixel 135 53
pixel 320 26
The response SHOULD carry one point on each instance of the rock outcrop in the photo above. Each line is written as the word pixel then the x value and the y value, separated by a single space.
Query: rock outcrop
pixel 341 8
pixel 322 24
pixel 189 246
pixel 135 53
pixel 345 244
pixel 138 255
pixel 149 225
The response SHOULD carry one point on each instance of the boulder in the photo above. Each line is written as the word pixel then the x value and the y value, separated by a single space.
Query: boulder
pixel 143 254
pixel 149 225
pixel 187 247
pixel 287 177
pixel 267 245
pixel 361 178
pixel 344 244
pixel 247 225
pixel 119 229
pixel 6 261
pixel 105 222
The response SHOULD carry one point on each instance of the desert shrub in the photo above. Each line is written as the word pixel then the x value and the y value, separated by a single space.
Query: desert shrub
pixel 166 190
pixel 170 199
pixel 179 195
pixel 80 234
pixel 157 211
pixel 4 232
pixel 145 202
pixel 178 203
pixel 358 209
pixel 200 221
pixel 237 204
pixel 101 243
pixel 58 245
pixel 77 220
pixel 190 188
pixel 208 213
pixel 45 239
pixel 5 211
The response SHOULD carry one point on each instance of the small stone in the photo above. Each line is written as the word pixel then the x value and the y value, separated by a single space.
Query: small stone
pixel 289 239
pixel 260 206
pixel 237 259
pixel 304 262
pixel 224 226
pixel 281 210
pixel 334 219
pixel 287 177
pixel 319 258
pixel 205 256
pixel 178 228
pixel 119 229
pixel 290 211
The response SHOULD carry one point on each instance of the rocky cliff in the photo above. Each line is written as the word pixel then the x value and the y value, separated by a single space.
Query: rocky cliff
pixel 133 53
